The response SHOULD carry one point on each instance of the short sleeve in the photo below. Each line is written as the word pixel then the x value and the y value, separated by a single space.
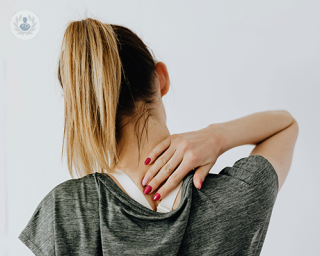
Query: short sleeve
pixel 257 172
pixel 38 235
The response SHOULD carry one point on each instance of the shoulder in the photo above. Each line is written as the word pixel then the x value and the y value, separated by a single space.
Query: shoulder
pixel 79 196
pixel 66 196
pixel 251 177
pixel 254 170
pixel 69 189
pixel 249 185
pixel 61 215
pixel 74 187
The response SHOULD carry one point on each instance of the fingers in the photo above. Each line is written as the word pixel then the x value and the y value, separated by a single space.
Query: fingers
pixel 200 175
pixel 173 180
pixel 158 150
pixel 166 169
pixel 178 175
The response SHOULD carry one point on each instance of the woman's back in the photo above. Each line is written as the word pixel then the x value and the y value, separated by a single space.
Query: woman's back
pixel 114 116
pixel 94 216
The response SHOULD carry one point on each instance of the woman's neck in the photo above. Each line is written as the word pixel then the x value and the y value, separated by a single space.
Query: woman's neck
pixel 128 155
pixel 128 148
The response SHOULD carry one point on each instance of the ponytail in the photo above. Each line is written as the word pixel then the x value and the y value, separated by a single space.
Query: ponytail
pixel 90 74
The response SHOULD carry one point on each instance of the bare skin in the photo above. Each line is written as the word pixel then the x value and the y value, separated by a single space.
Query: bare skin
pixel 157 131
pixel 273 132
pixel 173 156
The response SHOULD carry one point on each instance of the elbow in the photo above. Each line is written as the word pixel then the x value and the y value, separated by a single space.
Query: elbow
pixel 285 112
pixel 288 114
pixel 295 124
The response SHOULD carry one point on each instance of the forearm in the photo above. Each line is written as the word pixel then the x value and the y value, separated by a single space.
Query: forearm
pixel 251 129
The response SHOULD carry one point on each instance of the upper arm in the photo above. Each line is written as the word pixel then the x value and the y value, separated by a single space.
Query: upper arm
pixel 278 150
pixel 258 178
pixel 38 235
pixel 66 220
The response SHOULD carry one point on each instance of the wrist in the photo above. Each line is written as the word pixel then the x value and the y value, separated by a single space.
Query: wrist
pixel 218 134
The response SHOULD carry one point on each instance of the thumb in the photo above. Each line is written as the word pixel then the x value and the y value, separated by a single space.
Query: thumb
pixel 199 175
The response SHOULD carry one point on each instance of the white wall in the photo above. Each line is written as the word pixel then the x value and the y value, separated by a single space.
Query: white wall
pixel 226 59
pixel 3 192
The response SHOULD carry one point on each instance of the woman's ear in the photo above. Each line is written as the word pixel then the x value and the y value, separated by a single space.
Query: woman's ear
pixel 163 75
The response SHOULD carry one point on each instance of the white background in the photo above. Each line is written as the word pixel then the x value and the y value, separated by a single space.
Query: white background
pixel 226 59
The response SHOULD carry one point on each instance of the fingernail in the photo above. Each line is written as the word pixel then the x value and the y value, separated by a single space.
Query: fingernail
pixel 147 161
pixel 145 181
pixel 156 197
pixel 147 189
pixel 200 184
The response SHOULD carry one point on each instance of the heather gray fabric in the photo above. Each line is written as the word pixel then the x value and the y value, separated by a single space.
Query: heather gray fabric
pixel 92 216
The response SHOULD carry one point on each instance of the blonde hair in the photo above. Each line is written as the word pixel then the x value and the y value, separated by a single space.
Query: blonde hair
pixel 90 75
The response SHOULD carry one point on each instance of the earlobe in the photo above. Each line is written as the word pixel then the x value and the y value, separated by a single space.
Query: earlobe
pixel 165 89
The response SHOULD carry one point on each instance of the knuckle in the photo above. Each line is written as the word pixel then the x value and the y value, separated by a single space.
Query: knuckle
pixel 174 136
pixel 174 179
pixel 192 157
pixel 163 160
pixel 168 168
pixel 178 138
pixel 186 144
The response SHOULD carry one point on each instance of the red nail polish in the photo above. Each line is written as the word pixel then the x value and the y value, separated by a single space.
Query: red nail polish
pixel 156 197
pixel 200 184
pixel 147 189
pixel 147 161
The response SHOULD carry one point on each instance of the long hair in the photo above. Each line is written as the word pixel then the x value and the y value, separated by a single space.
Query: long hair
pixel 104 71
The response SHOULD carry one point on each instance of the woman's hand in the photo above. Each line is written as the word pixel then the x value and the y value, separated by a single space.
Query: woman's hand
pixel 181 153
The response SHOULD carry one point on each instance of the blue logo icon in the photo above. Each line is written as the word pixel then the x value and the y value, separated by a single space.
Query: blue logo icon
pixel 25 28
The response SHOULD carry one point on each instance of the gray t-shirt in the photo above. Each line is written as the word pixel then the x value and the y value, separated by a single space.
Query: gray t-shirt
pixel 91 215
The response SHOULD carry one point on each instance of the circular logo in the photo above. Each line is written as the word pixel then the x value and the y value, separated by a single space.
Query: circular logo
pixel 25 25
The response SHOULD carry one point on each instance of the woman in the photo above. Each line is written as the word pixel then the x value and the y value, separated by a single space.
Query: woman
pixel 117 143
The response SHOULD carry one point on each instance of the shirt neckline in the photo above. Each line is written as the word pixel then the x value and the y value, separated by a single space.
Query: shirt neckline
pixel 126 199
